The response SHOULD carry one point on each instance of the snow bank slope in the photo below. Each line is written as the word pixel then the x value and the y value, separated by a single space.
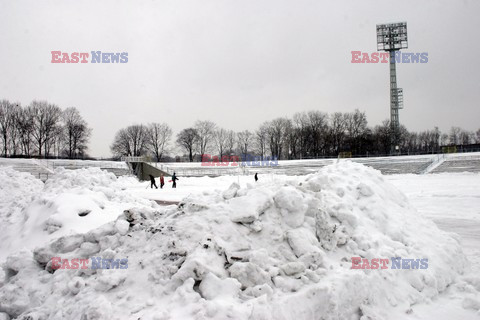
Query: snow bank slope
pixel 71 201
pixel 264 252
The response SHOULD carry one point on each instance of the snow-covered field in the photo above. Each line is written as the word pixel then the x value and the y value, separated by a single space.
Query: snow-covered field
pixel 280 248
pixel 452 201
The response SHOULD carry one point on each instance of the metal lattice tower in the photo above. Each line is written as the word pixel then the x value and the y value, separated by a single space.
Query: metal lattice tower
pixel 391 38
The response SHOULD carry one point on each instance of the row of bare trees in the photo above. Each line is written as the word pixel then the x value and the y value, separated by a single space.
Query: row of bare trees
pixel 42 129
pixel 139 140
pixel 205 137
pixel 312 134
pixel 307 135
pixel 428 141
pixel 315 134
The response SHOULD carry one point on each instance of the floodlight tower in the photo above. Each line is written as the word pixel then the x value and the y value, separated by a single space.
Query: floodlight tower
pixel 391 38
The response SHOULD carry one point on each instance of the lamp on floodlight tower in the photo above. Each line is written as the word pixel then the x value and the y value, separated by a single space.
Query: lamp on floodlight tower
pixel 391 38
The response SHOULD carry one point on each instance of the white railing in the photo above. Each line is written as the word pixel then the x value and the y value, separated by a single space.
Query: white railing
pixel 207 171
pixel 458 157
pixel 134 159
pixel 436 162
pixel 77 164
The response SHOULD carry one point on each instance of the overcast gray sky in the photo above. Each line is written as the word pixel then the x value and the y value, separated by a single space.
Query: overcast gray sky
pixel 239 63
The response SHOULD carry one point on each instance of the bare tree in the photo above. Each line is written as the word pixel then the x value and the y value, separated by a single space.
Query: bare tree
pixel 301 126
pixel 261 137
pixel 130 141
pixel 159 135
pixel 277 134
pixel 454 137
pixel 465 137
pixel 411 142
pixel 318 133
pixel 231 140
pixel 244 140
pixel 76 133
pixel 14 134
pixel 356 125
pixel 381 137
pixel 221 137
pixel 436 138
pixel 444 139
pixel 205 132
pixel 58 141
pixel 138 136
pixel 292 140
pixel 338 127
pixel 52 127
pixel 45 118
pixel 424 138
pixel 121 145
pixel 187 139
pixel 402 136
pixel 25 130
pixel 7 122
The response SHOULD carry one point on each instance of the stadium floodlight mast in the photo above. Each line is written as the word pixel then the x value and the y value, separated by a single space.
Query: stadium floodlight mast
pixel 391 38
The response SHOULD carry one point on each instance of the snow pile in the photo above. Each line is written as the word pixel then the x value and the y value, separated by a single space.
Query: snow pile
pixel 71 201
pixel 264 252
pixel 16 189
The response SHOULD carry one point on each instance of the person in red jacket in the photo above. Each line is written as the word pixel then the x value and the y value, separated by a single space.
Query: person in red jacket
pixel 162 181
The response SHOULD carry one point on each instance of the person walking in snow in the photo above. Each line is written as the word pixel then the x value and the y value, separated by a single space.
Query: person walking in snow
pixel 152 182
pixel 256 177
pixel 162 181
pixel 174 180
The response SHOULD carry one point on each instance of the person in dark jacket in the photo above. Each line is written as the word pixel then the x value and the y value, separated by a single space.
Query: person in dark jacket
pixel 162 181
pixel 152 182
pixel 174 180
pixel 256 177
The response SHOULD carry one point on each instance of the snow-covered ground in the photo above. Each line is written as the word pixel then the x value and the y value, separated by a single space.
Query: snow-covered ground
pixel 277 249
pixel 452 201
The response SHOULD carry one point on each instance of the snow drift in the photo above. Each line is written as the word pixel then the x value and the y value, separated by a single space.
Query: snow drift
pixel 71 201
pixel 261 252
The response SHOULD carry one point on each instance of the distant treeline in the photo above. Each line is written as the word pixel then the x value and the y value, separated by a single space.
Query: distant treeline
pixel 307 135
pixel 42 129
